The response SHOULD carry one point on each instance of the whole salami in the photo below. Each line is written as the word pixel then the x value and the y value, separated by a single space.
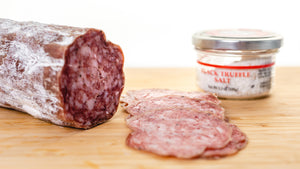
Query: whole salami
pixel 69 76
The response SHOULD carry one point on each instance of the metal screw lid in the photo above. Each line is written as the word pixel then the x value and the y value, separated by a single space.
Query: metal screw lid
pixel 237 39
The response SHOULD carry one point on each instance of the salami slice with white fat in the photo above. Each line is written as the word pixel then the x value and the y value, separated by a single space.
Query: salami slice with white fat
pixel 69 76
pixel 185 125
pixel 133 96
pixel 168 102
pixel 175 127
pixel 177 116
pixel 164 145
pixel 238 141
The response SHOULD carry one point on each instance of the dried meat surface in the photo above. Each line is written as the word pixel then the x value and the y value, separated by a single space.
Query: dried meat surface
pixel 55 72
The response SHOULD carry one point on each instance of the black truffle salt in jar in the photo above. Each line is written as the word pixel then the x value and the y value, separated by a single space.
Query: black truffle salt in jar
pixel 236 63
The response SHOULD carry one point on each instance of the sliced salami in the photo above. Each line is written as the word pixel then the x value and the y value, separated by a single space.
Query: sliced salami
pixel 164 145
pixel 205 130
pixel 133 96
pixel 183 126
pixel 238 141
pixel 69 76
pixel 169 102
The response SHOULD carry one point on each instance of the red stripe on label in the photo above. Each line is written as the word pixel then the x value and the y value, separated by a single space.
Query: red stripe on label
pixel 236 67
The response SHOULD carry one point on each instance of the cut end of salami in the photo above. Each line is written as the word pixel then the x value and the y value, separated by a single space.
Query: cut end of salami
pixel 92 80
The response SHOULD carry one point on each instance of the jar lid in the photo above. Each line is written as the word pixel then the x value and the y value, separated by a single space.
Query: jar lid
pixel 237 39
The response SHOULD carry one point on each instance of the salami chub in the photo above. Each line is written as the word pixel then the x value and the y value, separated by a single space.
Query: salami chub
pixel 69 76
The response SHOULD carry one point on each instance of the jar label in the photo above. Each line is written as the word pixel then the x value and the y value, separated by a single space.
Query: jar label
pixel 235 81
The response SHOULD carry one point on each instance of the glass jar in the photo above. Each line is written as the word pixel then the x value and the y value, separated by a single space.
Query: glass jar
pixel 236 64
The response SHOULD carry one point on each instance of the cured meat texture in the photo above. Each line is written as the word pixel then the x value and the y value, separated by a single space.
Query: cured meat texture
pixel 179 125
pixel 154 104
pixel 144 94
pixel 182 132
pixel 180 120
pixel 238 142
pixel 92 85
pixel 69 76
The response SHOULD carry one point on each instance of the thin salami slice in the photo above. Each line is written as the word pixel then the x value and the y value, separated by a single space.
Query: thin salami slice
pixel 165 145
pixel 69 76
pixel 238 142
pixel 168 102
pixel 144 94
pixel 200 128
pixel 185 125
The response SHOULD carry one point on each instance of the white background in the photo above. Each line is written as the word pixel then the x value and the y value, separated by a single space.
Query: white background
pixel 158 33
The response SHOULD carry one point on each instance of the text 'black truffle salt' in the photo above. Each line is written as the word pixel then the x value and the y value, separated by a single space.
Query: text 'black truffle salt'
pixel 236 63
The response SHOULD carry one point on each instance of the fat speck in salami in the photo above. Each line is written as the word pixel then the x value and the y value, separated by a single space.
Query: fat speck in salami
pixel 69 76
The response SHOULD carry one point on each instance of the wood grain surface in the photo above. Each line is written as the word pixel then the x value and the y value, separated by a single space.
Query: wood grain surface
pixel 272 125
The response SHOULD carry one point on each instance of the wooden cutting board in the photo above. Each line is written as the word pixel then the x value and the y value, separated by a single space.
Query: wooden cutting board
pixel 272 125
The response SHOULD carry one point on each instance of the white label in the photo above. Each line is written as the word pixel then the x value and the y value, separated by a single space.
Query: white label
pixel 240 82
